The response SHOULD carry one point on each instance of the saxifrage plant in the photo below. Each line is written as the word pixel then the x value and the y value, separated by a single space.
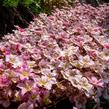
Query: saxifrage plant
pixel 64 54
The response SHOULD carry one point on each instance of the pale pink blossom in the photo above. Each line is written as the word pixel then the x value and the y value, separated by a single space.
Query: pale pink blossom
pixel 46 82
pixel 14 60
pixel 96 82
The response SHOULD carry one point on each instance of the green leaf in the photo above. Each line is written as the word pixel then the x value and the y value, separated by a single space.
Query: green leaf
pixel 27 2
pixel 10 3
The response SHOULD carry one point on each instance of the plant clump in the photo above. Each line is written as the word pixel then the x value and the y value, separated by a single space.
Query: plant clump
pixel 64 54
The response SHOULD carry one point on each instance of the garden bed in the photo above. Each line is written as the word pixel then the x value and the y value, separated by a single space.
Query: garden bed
pixel 62 55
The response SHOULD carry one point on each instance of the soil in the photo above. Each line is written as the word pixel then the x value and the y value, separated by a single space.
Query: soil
pixel 64 104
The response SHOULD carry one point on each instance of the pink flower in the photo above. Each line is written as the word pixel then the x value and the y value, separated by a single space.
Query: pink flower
pixel 4 81
pixel 14 60
pixel 25 72
pixel 26 106
pixel 74 108
pixel 20 29
pixel 46 82
pixel 92 54
pixel 106 46
pixel 96 82
pixel 26 86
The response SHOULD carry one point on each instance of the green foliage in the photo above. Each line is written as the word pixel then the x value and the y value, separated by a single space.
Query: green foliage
pixel 27 2
pixel 15 3
pixel 10 3
pixel 36 6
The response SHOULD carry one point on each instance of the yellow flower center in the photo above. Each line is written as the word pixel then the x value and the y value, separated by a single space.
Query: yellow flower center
pixel 12 60
pixel 42 82
pixel 25 73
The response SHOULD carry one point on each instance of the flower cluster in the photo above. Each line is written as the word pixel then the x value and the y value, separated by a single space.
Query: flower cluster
pixel 66 52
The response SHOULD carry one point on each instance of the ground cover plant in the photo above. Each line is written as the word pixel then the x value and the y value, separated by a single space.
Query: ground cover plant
pixel 65 54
